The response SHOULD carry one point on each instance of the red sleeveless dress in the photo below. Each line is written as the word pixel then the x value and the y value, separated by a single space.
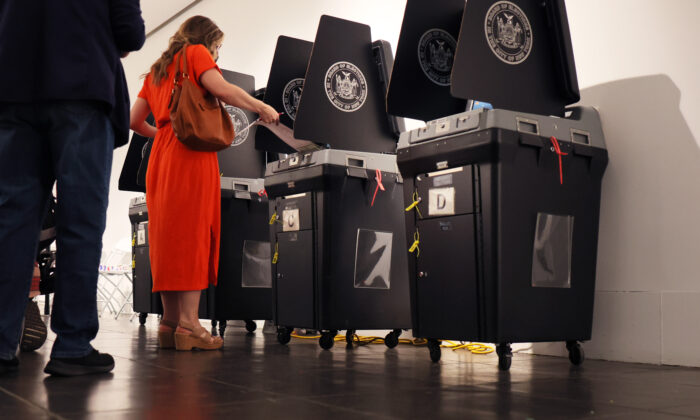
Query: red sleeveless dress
pixel 183 193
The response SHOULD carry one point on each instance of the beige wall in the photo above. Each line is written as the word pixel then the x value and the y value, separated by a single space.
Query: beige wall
pixel 636 63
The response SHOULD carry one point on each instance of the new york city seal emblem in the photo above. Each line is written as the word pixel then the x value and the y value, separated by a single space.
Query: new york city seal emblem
pixel 508 32
pixel 436 53
pixel 346 86
pixel 291 95
pixel 240 122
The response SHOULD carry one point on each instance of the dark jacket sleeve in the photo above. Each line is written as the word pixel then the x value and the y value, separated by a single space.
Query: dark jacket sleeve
pixel 127 24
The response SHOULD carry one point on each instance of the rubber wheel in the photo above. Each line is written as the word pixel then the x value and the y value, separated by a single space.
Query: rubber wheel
pixel 326 340
pixel 504 362
pixel 391 340
pixel 251 326
pixel 576 354
pixel 222 328
pixel 505 356
pixel 349 337
pixel 284 335
pixel 434 348
pixel 142 318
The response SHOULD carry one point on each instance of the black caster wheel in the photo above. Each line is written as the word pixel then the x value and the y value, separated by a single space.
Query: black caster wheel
pixel 250 326
pixel 284 335
pixel 434 347
pixel 576 354
pixel 349 337
pixel 222 328
pixel 142 318
pixel 327 339
pixel 392 339
pixel 505 356
pixel 213 328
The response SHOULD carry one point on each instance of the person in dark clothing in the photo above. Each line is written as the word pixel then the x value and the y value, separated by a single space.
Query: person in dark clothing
pixel 64 106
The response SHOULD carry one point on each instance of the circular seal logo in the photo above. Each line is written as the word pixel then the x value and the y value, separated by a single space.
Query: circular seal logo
pixel 346 86
pixel 508 32
pixel 436 53
pixel 240 122
pixel 291 96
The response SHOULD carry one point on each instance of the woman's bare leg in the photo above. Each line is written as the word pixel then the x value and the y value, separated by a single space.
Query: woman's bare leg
pixel 189 306
pixel 171 309
pixel 189 311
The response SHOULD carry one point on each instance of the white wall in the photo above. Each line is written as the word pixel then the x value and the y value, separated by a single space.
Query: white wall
pixel 636 63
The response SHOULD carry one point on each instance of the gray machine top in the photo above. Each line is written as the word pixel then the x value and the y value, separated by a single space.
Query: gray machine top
pixel 360 160
pixel 582 127
pixel 137 201
pixel 240 188
pixel 243 188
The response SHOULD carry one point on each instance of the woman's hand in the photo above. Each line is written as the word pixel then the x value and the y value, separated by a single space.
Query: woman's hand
pixel 214 82
pixel 268 114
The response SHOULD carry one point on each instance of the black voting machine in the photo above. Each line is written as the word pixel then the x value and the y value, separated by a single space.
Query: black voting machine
pixel 244 289
pixel 336 223
pixel 502 205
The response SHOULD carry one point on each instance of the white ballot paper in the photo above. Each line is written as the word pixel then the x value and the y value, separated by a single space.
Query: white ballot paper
pixel 286 134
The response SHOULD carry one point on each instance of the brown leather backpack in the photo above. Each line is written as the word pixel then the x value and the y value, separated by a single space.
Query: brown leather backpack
pixel 199 120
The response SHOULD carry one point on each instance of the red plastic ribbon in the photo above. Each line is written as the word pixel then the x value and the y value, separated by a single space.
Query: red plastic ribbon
pixel 378 178
pixel 262 193
pixel 558 151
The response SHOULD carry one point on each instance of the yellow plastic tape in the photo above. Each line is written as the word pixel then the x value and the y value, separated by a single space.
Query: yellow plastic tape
pixel 277 254
pixel 273 219
pixel 416 241
pixel 414 205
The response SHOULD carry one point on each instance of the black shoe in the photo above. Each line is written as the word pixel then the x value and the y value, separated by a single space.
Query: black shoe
pixel 94 362
pixel 34 333
pixel 7 366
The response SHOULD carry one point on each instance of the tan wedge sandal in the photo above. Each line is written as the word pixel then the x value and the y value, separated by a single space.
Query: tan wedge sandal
pixel 166 339
pixel 198 338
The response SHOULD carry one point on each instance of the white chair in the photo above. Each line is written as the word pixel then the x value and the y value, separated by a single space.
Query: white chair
pixel 115 284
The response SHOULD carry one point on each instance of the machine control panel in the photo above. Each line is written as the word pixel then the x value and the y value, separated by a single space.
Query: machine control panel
pixel 295 160
pixel 453 124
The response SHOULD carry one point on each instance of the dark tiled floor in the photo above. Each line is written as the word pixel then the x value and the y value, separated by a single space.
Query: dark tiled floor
pixel 255 377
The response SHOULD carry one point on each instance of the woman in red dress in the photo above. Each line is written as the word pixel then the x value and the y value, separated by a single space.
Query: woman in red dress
pixel 183 192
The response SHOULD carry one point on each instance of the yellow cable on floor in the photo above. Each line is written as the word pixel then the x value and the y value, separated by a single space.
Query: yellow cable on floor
pixel 474 348
pixel 305 337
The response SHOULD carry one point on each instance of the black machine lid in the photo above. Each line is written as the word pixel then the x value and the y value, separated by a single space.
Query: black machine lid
pixel 242 159
pixel 133 174
pixel 420 82
pixel 343 104
pixel 516 55
pixel 284 87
